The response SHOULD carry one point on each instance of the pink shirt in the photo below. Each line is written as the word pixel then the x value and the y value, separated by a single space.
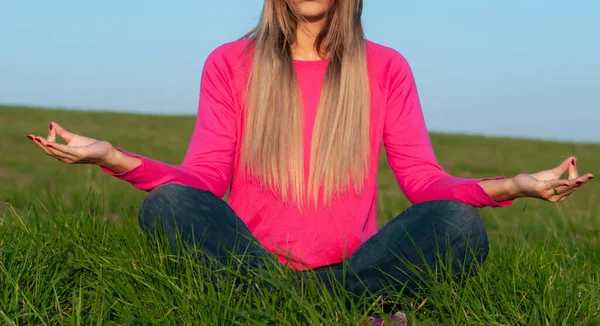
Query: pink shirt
pixel 326 235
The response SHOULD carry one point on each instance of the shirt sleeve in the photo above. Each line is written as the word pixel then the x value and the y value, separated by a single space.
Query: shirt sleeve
pixel 409 151
pixel 208 164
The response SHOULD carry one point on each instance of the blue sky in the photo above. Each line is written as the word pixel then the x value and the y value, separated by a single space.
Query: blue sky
pixel 516 68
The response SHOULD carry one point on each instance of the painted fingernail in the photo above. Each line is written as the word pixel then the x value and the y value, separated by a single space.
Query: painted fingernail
pixel 572 160
pixel 30 137
pixel 590 178
pixel 50 126
pixel 39 140
pixel 48 145
pixel 579 182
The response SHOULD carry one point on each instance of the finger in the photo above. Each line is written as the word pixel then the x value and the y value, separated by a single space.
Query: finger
pixel 566 191
pixel 67 158
pixel 63 133
pixel 572 184
pixel 553 189
pixel 564 195
pixel 553 184
pixel 553 196
pixel 562 168
pixel 70 151
pixel 51 132
pixel 573 174
pixel 37 141
pixel 51 151
pixel 579 181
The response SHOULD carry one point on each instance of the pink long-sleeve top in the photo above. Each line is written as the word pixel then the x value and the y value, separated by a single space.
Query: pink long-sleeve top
pixel 326 235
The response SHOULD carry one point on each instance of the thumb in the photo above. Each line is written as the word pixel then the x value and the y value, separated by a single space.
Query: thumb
pixel 62 132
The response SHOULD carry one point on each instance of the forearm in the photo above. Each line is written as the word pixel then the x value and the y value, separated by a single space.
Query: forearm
pixel 500 189
pixel 117 162
pixel 146 174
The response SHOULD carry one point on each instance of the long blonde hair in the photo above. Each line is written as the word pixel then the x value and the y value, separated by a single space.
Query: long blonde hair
pixel 272 147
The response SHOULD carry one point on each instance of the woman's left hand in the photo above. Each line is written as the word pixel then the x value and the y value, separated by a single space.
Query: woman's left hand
pixel 548 184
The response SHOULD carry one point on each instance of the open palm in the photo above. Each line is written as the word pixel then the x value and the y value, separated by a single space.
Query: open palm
pixel 548 184
pixel 78 150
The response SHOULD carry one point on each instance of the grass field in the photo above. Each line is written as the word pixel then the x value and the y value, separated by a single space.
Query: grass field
pixel 71 251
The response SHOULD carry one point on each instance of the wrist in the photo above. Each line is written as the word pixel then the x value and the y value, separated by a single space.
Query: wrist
pixel 119 162
pixel 111 160
pixel 513 188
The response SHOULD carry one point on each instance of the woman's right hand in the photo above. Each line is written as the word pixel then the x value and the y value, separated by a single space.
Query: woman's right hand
pixel 78 150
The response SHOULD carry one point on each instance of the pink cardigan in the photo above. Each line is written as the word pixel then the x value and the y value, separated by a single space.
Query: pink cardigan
pixel 327 235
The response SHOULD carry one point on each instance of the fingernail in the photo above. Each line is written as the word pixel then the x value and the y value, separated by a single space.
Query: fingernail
pixel 590 178
pixel 39 140
pixel 48 145
pixel 50 126
pixel 572 160
pixel 30 137
pixel 579 182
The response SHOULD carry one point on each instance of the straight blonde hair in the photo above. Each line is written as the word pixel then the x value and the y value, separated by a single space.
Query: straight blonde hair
pixel 272 147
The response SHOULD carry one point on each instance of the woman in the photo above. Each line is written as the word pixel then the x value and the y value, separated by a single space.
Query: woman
pixel 291 119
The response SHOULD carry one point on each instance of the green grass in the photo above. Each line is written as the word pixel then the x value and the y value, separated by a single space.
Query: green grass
pixel 71 251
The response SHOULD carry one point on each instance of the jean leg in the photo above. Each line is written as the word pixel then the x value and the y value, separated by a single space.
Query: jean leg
pixel 197 218
pixel 401 252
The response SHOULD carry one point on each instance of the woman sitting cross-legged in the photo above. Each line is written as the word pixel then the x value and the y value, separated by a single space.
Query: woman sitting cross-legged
pixel 291 120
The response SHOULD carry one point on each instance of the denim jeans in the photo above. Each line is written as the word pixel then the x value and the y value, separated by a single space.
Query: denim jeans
pixel 427 236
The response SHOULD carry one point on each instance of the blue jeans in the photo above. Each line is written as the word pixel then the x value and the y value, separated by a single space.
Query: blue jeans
pixel 426 236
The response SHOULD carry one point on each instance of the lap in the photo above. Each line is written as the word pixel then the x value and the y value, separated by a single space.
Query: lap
pixel 415 237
